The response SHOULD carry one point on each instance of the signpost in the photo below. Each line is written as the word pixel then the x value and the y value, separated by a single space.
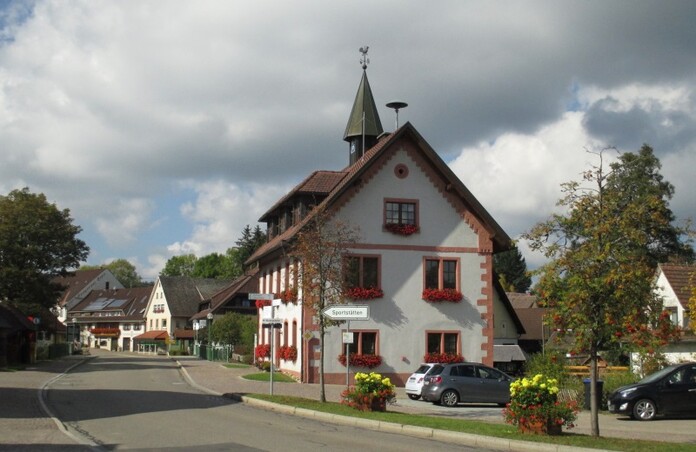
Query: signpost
pixel 347 313
pixel 269 320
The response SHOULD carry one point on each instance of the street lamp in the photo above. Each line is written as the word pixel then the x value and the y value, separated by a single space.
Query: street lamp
pixel 210 325
pixel 74 336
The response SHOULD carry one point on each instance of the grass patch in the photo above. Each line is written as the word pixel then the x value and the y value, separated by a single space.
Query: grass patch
pixel 237 366
pixel 266 376
pixel 478 427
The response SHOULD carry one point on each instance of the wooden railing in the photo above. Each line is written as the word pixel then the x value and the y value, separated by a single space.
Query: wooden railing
pixel 584 371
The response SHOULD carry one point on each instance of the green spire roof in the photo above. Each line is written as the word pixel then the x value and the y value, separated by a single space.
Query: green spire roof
pixel 364 102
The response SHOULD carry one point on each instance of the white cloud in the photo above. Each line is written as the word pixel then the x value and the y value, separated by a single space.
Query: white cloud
pixel 121 223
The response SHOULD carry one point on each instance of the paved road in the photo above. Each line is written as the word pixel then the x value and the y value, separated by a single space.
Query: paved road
pixel 25 426
pixel 134 402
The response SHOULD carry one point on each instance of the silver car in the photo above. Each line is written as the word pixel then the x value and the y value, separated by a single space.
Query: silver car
pixel 449 384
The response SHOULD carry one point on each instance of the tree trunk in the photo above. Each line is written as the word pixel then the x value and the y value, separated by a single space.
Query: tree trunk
pixel 594 409
pixel 322 390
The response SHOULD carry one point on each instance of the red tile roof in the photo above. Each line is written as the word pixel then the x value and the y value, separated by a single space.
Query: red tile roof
pixel 156 335
pixel 354 172
pixel 680 278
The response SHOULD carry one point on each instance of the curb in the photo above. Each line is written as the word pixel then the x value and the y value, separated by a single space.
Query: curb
pixel 44 407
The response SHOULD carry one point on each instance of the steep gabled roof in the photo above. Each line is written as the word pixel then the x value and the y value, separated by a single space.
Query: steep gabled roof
pixel 183 294
pixel 75 282
pixel 522 300
pixel 508 306
pixel 246 283
pixel 354 173
pixel 319 183
pixel 123 304
pixel 679 278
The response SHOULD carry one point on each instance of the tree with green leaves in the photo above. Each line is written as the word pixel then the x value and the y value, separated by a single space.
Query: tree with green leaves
pixel 235 329
pixel 321 248
pixel 38 242
pixel 511 268
pixel 249 242
pixel 182 265
pixel 599 281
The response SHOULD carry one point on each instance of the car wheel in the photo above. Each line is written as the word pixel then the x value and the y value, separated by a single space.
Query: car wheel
pixel 449 398
pixel 644 410
pixel 413 396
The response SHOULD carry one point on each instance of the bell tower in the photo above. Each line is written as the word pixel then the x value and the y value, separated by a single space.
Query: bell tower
pixel 364 125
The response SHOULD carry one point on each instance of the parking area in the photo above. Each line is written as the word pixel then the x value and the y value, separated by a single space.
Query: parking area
pixel 670 430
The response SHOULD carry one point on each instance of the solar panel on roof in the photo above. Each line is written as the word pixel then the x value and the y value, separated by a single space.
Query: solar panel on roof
pixel 117 303
pixel 98 304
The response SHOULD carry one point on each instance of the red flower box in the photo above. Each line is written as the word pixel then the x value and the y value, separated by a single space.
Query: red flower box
pixel 436 295
pixel 288 295
pixel 402 229
pixel 261 303
pixel 442 358
pixel 356 360
pixel 288 352
pixel 104 332
pixel 364 293
pixel 262 351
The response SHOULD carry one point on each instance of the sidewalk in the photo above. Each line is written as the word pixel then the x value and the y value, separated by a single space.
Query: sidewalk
pixel 23 421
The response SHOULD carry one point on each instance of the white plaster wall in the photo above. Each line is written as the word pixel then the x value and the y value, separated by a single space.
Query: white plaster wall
pixel 440 224
pixel 670 300
pixel 402 317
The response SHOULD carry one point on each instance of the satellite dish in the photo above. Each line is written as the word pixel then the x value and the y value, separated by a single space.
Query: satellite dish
pixel 396 105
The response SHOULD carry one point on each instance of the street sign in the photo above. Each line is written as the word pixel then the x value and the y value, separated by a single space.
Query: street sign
pixel 266 321
pixel 261 296
pixel 347 312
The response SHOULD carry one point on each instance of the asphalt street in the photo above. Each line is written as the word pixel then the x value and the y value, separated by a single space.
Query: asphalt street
pixel 24 424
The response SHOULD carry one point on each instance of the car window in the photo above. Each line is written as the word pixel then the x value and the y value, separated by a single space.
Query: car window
pixel 422 369
pixel 488 373
pixel 463 370
pixel 436 370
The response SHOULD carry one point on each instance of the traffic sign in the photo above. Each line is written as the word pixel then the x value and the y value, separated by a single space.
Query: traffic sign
pixel 265 321
pixel 261 296
pixel 347 312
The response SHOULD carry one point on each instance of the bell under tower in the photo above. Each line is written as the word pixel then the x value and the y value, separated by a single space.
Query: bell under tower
pixel 364 125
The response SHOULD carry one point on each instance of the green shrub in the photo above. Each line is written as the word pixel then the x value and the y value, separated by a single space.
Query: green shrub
pixel 550 364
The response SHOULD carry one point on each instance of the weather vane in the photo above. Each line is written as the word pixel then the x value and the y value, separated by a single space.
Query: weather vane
pixel 364 60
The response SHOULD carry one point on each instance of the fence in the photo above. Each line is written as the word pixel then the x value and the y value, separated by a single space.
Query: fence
pixel 584 371
pixel 215 353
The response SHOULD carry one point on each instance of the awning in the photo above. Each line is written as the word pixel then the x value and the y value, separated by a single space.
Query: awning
pixel 152 336
pixel 184 334
pixel 508 353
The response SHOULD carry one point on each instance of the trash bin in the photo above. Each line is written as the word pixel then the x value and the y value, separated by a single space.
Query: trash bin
pixel 598 396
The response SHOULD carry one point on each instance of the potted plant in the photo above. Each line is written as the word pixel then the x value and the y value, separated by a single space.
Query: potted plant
pixel 436 295
pixel 401 229
pixel 364 293
pixel 370 393
pixel 534 406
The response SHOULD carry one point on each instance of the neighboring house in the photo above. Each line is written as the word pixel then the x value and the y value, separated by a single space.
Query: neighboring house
pixel 536 333
pixel 109 318
pixel 17 336
pixel 674 284
pixel 423 235
pixel 175 299
pixel 80 283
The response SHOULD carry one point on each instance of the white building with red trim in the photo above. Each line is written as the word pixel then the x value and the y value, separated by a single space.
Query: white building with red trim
pixel 423 264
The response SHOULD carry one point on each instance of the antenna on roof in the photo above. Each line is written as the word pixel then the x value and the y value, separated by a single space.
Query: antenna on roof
pixel 396 105
pixel 364 60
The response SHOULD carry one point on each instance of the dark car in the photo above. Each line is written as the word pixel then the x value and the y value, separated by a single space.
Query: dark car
pixel 449 384
pixel 670 391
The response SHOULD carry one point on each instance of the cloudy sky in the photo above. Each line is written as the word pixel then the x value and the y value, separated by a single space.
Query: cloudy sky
pixel 167 126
